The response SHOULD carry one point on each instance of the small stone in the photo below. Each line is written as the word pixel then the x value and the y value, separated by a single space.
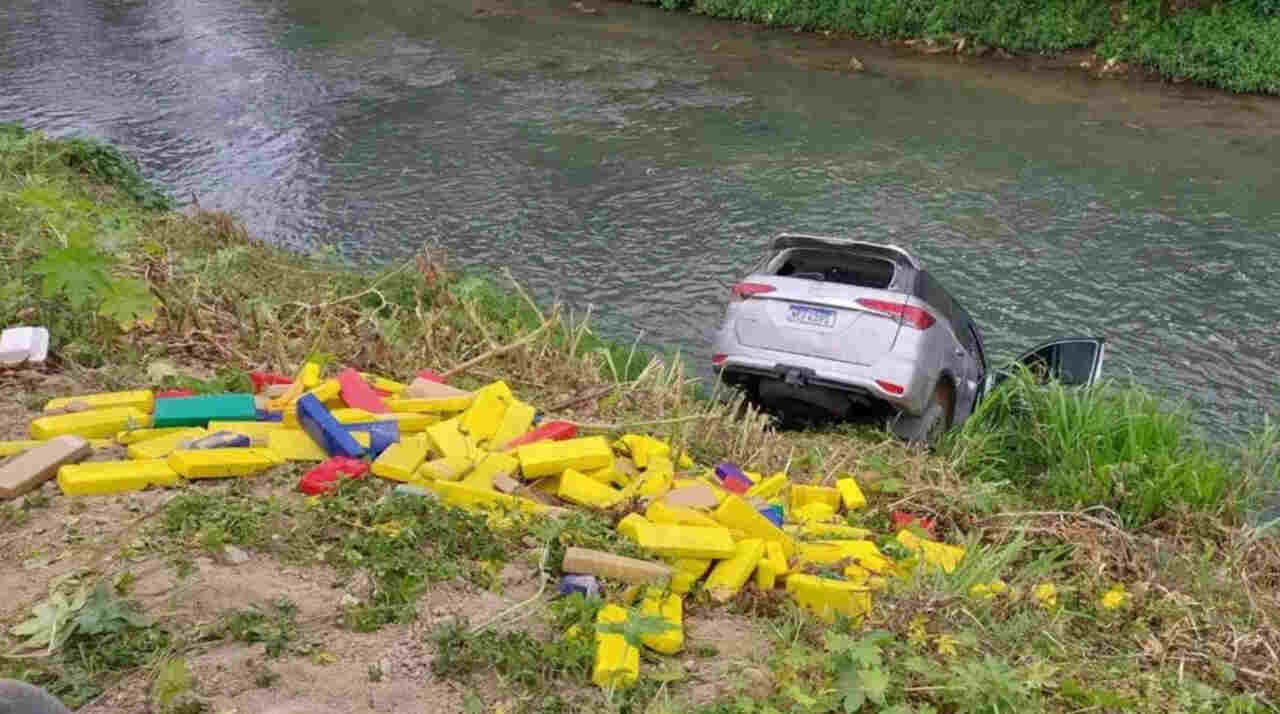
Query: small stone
pixel 856 64
pixel 231 555
pixel 348 600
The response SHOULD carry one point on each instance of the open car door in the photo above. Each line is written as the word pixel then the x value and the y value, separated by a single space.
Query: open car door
pixel 1072 361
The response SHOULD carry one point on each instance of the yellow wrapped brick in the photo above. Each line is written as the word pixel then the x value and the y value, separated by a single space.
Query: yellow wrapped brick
pixel 578 488
pixel 103 477
pixel 660 512
pixel 617 663
pixel 294 445
pixel 608 475
pixel 729 575
pixel 850 495
pixel 632 525
pixel 133 436
pixel 447 439
pixel 653 485
pixel 861 552
pixel 548 458
pixel 13 448
pixel 516 421
pixel 343 415
pixel 162 446
pixel 412 423
pixel 828 531
pixel 737 514
pixel 383 384
pixel 482 419
pixel 772 565
pixel 489 466
pixel 144 400
pixel 309 375
pixel 769 487
pixel 464 496
pixel 642 448
pixel 687 572
pixel 944 556
pixel 816 512
pixel 252 429
pixel 825 596
pixel 223 463
pixel 442 405
pixel 448 468
pixel 329 390
pixel 670 607
pixel 286 400
pixel 688 541
pixel 93 424
pixel 401 460
pixel 803 494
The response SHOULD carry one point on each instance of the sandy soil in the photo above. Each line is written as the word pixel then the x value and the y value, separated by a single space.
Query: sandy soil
pixel 64 536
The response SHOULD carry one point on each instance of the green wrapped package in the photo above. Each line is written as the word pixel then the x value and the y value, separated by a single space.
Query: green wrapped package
pixel 198 411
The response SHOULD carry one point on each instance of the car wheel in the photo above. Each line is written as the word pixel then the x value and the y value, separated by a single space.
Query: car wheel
pixel 928 428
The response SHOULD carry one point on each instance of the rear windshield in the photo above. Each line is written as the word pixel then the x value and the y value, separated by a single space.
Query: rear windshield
pixel 833 267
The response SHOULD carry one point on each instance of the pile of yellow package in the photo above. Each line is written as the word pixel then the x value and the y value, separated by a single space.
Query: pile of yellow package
pixel 465 448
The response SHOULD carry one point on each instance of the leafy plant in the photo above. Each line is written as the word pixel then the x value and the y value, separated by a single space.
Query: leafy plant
pixel 858 669
pixel 275 626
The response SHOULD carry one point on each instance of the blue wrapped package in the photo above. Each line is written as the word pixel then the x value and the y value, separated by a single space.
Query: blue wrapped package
pixel 318 422
pixel 381 434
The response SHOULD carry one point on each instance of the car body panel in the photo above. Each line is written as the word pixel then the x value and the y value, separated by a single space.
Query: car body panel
pixel 806 333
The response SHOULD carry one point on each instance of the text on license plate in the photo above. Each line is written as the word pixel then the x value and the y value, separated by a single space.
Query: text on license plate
pixel 815 316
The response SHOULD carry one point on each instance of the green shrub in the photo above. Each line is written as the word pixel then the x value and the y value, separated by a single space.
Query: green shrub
pixel 1104 446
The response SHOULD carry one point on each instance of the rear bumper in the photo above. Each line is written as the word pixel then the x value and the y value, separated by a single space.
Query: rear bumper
pixel 743 364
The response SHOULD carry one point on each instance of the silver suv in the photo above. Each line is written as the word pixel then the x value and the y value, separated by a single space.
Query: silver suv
pixel 833 328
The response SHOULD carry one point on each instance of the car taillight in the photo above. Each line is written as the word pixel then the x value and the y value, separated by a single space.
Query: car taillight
pixel 890 387
pixel 916 317
pixel 718 359
pixel 743 291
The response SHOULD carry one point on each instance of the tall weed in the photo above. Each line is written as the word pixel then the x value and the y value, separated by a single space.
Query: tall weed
pixel 1107 445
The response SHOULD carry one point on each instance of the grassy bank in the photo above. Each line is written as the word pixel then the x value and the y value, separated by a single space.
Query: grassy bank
pixel 1232 44
pixel 1108 567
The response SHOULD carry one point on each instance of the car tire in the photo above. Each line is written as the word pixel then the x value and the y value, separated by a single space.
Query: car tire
pixel 927 429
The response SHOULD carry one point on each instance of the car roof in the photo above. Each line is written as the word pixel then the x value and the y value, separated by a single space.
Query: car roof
pixel 886 250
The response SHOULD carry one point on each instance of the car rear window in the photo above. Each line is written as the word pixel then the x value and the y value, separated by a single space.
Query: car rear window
pixel 834 267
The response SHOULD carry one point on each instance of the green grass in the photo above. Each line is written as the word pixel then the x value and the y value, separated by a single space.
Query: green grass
pixel 1107 446
pixel 1234 45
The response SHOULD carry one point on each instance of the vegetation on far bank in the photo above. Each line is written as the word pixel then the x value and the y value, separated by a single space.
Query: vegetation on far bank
pixel 1110 565
pixel 1231 44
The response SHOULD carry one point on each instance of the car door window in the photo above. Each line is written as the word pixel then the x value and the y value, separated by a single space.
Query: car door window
pixel 1071 362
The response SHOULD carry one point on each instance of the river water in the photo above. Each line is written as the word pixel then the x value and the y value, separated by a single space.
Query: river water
pixel 636 160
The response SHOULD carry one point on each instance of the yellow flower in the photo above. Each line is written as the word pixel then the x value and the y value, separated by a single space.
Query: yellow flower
pixel 946 644
pixel 980 592
pixel 1115 598
pixel 391 529
pixel 916 634
pixel 998 587
pixel 1046 595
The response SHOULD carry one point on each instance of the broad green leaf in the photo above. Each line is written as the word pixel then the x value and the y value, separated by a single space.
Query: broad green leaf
pixel 875 684
pixel 77 272
pixel 104 612
pixel 50 623
pixel 129 302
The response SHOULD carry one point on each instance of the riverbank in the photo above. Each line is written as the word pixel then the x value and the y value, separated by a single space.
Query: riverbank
pixel 1130 578
pixel 1228 45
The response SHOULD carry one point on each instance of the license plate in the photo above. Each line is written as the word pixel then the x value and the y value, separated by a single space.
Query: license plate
pixel 812 316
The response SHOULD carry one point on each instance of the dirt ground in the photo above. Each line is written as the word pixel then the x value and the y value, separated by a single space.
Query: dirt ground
pixel 65 536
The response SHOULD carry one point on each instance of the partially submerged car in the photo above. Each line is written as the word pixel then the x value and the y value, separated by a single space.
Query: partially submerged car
pixel 828 328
